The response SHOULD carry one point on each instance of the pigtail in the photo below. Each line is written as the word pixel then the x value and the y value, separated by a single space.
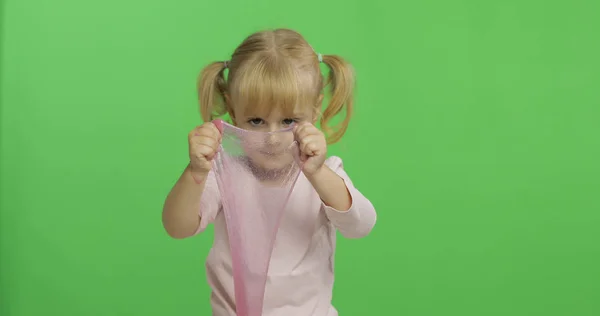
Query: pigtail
pixel 211 91
pixel 341 86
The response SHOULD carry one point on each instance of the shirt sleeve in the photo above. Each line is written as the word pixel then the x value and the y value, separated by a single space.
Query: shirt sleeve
pixel 210 203
pixel 359 220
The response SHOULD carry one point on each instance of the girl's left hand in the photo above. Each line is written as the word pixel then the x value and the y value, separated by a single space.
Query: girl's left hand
pixel 313 147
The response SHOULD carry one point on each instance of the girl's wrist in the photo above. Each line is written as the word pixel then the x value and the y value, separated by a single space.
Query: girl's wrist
pixel 317 174
pixel 198 176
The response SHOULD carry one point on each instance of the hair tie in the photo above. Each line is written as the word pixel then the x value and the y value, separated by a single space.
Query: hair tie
pixel 225 64
pixel 320 57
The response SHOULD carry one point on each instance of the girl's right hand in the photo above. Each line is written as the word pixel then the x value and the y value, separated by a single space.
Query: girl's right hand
pixel 204 142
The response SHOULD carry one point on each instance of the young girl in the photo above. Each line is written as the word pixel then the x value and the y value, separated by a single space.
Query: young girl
pixel 274 82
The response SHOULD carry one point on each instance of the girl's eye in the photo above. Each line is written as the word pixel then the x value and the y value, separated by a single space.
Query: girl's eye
pixel 256 121
pixel 289 121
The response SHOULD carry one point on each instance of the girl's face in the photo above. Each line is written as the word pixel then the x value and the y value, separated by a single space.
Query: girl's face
pixel 270 143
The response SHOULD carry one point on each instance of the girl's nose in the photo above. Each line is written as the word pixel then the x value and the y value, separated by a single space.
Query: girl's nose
pixel 273 139
pixel 274 127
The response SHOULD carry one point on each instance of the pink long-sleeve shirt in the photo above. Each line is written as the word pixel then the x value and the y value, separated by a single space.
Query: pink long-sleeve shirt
pixel 300 277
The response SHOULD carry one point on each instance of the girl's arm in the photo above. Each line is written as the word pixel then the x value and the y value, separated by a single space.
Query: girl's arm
pixel 190 205
pixel 331 189
pixel 347 209
pixel 180 212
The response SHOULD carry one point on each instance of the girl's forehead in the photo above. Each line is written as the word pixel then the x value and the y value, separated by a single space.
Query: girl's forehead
pixel 264 86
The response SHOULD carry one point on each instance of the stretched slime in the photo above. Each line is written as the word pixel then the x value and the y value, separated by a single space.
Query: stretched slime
pixel 256 173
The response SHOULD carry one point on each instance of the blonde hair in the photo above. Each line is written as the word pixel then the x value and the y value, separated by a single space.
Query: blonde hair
pixel 278 68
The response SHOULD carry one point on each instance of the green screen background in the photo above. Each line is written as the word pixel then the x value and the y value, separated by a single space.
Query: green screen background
pixel 476 136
